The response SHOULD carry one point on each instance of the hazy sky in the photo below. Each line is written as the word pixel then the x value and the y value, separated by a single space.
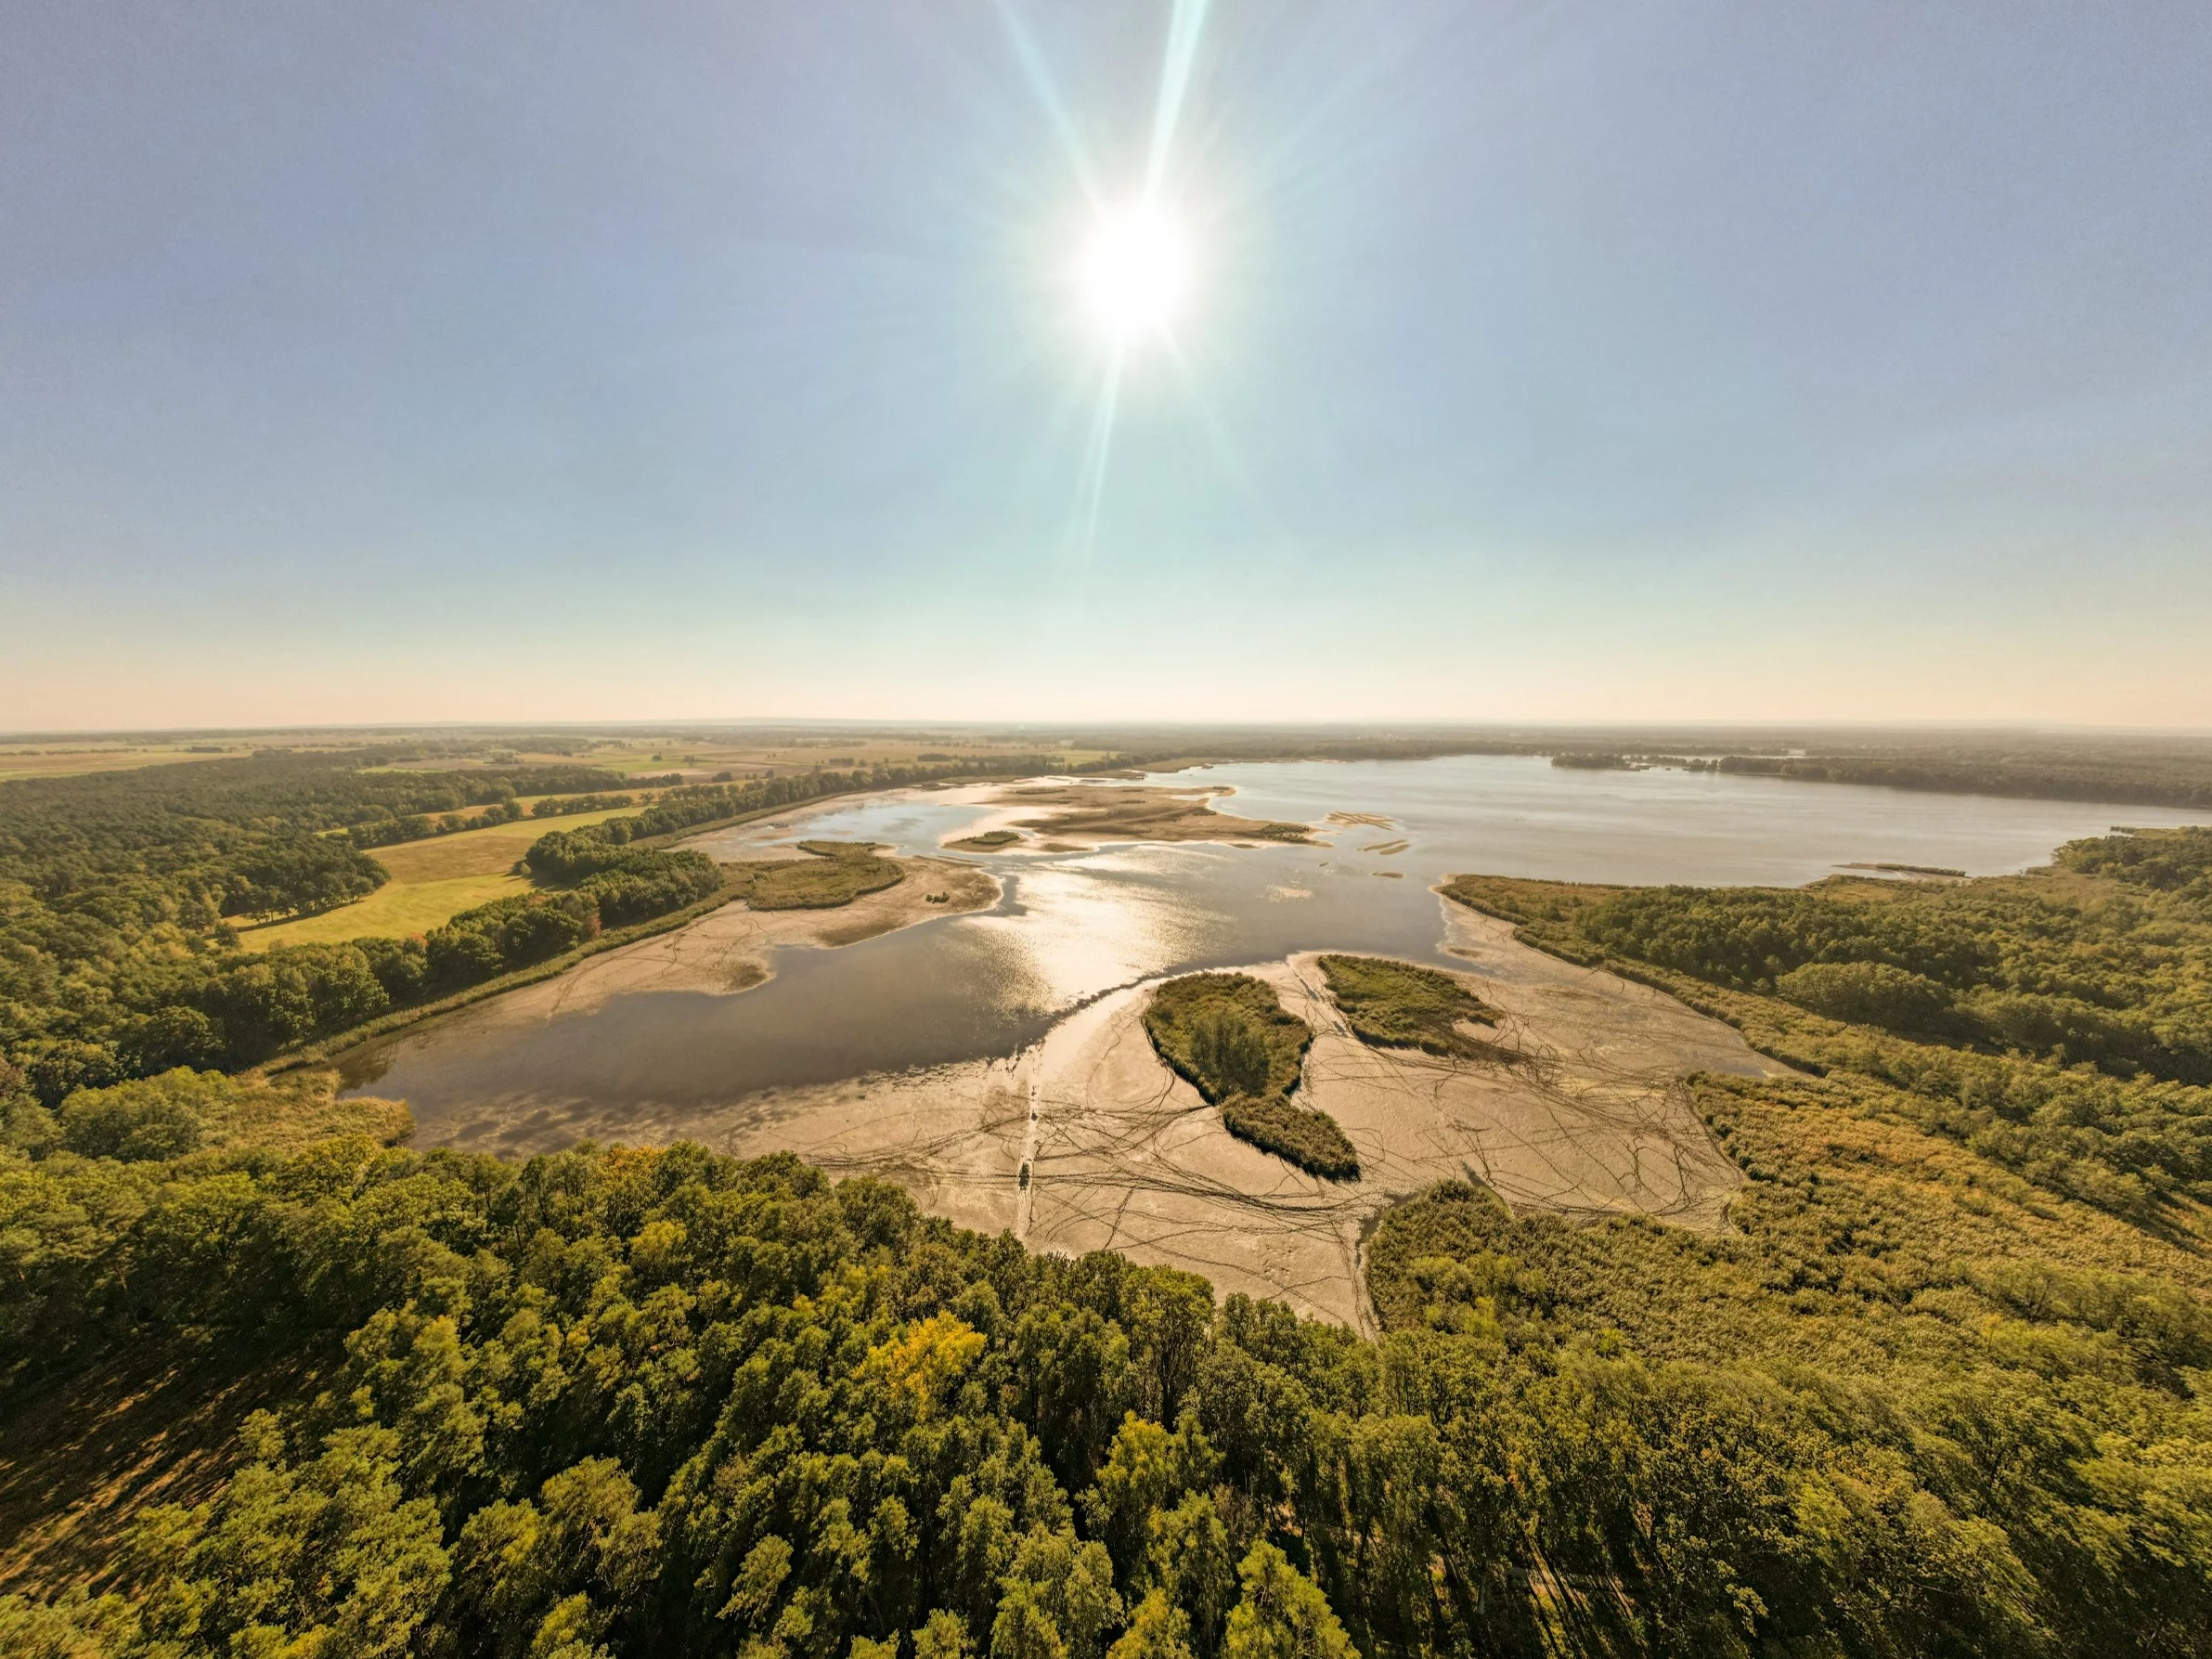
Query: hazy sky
pixel 409 361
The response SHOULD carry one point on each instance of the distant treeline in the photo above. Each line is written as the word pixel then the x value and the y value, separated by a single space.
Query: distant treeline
pixel 2030 779
pixel 417 826
pixel 1582 761
pixel 2143 771
pixel 564 806
pixel 2114 779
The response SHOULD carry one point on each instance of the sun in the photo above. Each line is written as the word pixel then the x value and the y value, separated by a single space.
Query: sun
pixel 1135 272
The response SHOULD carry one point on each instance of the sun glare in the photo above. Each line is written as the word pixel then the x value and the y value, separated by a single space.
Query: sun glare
pixel 1135 273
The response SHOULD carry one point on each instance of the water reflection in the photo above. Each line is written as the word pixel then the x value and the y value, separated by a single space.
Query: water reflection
pixel 1073 925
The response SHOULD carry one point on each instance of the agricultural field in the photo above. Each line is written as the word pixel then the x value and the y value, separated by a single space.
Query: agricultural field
pixel 702 761
pixel 76 760
pixel 432 882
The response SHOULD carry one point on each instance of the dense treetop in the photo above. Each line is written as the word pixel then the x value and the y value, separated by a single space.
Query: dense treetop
pixel 629 1402
pixel 2059 1023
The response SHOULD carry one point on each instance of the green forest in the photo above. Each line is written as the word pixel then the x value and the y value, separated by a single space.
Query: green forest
pixel 2057 1023
pixel 121 893
pixel 1940 1388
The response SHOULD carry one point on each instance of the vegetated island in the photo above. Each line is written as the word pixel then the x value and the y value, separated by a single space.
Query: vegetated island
pixel 1889 869
pixel 1091 813
pixel 996 840
pixel 1400 1004
pixel 1231 1038
pixel 833 873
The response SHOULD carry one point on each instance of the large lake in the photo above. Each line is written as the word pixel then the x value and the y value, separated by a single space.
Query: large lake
pixel 1071 927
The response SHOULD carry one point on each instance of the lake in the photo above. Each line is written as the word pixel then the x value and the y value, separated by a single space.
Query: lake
pixel 1071 927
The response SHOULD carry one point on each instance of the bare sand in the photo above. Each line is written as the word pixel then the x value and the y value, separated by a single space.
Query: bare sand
pixel 1087 1141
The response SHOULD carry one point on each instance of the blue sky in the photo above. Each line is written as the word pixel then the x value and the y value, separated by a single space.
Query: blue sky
pixel 1559 362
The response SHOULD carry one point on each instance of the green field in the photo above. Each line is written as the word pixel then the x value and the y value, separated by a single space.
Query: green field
pixel 432 882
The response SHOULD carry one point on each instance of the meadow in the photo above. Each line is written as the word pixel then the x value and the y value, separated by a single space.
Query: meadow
pixel 430 883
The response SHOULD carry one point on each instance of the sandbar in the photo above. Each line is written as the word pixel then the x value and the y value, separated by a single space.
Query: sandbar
pixel 1093 814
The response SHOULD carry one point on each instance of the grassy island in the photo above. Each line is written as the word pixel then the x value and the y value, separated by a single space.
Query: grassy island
pixel 835 874
pixel 1397 1004
pixel 1089 815
pixel 1230 1035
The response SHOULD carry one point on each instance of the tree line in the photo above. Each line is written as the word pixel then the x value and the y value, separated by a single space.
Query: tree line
pixel 417 826
pixel 2142 785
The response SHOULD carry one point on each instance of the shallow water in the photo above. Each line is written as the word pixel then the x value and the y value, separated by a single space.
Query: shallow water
pixel 1071 927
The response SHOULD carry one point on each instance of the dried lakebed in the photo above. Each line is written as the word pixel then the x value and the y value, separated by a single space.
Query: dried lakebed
pixel 1085 1140
pixel 949 1045
pixel 1122 1154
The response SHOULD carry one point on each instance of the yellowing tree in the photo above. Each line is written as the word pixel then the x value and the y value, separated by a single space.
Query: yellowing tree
pixel 926 1361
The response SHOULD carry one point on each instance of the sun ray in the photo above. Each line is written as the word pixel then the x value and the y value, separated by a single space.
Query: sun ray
pixel 1135 270
pixel 1047 92
pixel 1183 30
pixel 1091 483
pixel 1217 440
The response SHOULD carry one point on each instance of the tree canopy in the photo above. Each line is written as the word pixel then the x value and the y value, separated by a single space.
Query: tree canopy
pixel 1939 1388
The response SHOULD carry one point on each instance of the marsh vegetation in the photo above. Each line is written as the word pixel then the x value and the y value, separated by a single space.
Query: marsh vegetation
pixel 1231 1037
pixel 833 873
pixel 1091 813
pixel 1402 1005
